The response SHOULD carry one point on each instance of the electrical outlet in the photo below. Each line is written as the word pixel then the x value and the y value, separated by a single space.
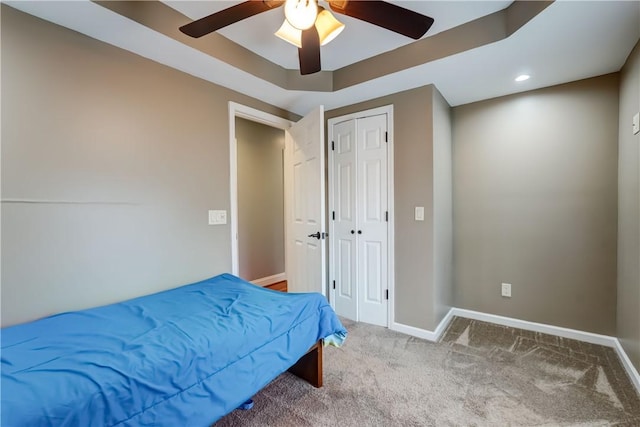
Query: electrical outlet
pixel 506 290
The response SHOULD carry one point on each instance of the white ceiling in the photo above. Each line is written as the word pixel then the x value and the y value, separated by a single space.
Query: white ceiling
pixel 569 40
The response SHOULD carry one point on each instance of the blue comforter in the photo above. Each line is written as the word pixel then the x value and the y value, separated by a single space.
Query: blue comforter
pixel 183 357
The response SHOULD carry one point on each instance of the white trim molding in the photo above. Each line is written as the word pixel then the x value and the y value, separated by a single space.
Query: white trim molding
pixel 605 340
pixel 239 110
pixel 270 280
pixel 424 333
pixel 628 366
pixel 589 337
pixel 414 332
pixel 536 327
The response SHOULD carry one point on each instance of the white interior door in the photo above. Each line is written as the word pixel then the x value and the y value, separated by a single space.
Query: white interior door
pixel 343 237
pixel 371 197
pixel 359 205
pixel 304 163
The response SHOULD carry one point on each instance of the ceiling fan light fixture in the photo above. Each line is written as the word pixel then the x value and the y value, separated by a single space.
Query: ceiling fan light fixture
pixel 328 26
pixel 301 14
pixel 308 31
pixel 289 33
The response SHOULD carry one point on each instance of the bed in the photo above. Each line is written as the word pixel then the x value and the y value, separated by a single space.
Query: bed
pixel 185 356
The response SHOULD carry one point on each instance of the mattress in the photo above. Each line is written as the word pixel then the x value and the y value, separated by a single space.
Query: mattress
pixel 186 356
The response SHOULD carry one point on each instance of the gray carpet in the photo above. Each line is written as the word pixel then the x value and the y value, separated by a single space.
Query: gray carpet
pixel 480 374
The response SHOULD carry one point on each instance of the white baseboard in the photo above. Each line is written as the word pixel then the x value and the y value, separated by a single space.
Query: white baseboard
pixel 443 325
pixel 537 327
pixel 269 280
pixel 628 366
pixel 589 337
pixel 423 333
pixel 413 331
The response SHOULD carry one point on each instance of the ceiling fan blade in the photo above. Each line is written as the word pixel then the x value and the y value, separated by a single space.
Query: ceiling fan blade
pixel 213 22
pixel 309 53
pixel 386 15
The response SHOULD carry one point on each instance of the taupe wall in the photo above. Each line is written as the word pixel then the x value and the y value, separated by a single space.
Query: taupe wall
pixel 109 165
pixel 629 211
pixel 442 207
pixel 413 186
pixel 535 204
pixel 124 156
pixel 260 199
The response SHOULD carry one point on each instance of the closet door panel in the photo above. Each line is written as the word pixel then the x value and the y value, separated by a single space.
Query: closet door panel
pixel 371 208
pixel 344 224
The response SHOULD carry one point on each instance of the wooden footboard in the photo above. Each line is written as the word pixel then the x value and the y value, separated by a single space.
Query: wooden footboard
pixel 309 367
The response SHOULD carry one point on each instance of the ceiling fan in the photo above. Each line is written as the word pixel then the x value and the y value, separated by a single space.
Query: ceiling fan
pixel 309 26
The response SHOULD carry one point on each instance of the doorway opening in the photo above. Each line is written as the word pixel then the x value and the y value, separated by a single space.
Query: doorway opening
pixel 258 195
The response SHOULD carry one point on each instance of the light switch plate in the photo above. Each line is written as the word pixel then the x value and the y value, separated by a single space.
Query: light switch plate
pixel 217 217
pixel 506 290
pixel 419 215
pixel 636 123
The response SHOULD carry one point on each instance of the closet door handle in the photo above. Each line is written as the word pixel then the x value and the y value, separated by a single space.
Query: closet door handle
pixel 353 232
pixel 316 235
pixel 359 231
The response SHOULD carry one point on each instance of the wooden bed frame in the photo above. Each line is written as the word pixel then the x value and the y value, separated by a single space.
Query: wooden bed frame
pixel 309 366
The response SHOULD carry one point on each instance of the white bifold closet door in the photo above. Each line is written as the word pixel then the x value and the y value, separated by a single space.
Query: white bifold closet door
pixel 359 218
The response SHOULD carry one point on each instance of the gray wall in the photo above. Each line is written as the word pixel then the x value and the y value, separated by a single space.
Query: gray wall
pixel 535 204
pixel 122 157
pixel 629 211
pixel 415 247
pixel 442 207
pixel 260 199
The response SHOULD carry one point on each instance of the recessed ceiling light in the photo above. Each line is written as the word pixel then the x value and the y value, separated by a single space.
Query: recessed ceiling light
pixel 522 77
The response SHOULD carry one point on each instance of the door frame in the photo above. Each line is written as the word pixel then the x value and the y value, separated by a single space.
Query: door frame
pixel 388 110
pixel 249 113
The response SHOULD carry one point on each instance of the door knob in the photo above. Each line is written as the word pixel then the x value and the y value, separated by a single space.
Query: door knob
pixel 359 231
pixel 316 235
pixel 353 232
